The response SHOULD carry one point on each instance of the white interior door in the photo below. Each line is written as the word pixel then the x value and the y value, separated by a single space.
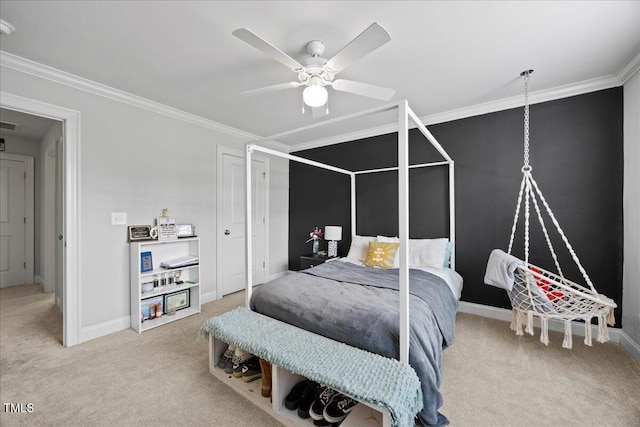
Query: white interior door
pixel 12 223
pixel 233 218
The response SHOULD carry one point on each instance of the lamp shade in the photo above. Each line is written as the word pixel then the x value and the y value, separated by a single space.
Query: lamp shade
pixel 333 232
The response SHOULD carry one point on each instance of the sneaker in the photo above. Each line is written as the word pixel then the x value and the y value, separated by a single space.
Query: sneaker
pixel 338 409
pixel 226 357
pixel 295 395
pixel 228 368
pixel 230 351
pixel 222 363
pixel 251 370
pixel 325 394
pixel 308 397
pixel 239 358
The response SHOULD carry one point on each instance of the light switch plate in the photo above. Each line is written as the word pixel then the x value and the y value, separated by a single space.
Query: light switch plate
pixel 118 218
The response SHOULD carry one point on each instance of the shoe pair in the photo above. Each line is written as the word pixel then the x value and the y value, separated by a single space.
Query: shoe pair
pixel 226 361
pixel 330 407
pixel 240 357
pixel 249 369
pixel 301 396
pixel 324 405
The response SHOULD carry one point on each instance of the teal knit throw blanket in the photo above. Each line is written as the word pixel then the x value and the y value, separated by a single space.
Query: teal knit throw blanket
pixel 366 376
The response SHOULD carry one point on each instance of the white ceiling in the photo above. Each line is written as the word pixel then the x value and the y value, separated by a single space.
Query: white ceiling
pixel 442 57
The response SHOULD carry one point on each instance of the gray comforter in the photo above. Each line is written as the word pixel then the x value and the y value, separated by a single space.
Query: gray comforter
pixel 360 307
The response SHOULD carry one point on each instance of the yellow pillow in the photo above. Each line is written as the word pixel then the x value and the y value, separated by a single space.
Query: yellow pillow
pixel 381 254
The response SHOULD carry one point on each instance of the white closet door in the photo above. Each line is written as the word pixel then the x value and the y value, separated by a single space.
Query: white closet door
pixel 12 223
pixel 233 217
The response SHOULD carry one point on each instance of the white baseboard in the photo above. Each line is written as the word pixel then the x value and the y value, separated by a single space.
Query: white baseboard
pixel 39 280
pixel 631 346
pixel 96 331
pixel 616 335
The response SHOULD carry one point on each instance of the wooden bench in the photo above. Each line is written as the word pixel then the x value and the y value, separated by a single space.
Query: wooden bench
pixel 389 387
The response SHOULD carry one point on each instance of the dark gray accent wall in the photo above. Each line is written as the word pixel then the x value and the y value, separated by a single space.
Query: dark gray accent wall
pixel 577 160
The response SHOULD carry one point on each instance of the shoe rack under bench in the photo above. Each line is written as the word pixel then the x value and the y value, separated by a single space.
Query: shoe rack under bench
pixel 281 383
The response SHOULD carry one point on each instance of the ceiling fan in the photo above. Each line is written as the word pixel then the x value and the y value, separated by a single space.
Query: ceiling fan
pixel 316 72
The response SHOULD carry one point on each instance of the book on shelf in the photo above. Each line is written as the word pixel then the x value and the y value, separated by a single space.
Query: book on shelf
pixel 183 261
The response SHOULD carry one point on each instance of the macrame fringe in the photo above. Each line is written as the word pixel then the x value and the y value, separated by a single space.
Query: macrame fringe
pixel 544 330
pixel 514 319
pixel 587 332
pixel 517 319
pixel 611 318
pixel 568 340
pixel 603 332
pixel 530 322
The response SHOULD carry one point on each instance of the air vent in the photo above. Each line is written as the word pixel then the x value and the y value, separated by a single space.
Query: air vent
pixel 8 126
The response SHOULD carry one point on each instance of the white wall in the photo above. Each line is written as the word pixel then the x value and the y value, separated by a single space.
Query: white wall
pixel 137 161
pixel 631 202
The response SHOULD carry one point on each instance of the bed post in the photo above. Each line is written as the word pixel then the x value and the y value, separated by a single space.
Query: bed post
pixel 353 205
pixel 248 231
pixel 403 225
pixel 452 213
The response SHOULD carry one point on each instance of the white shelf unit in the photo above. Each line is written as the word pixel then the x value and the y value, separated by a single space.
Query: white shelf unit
pixel 163 250
pixel 281 383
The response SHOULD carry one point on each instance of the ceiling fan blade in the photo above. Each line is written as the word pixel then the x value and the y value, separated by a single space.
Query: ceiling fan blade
pixel 264 46
pixel 272 88
pixel 364 89
pixel 368 41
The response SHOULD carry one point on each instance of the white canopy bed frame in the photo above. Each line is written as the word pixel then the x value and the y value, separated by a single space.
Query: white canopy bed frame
pixel 294 352
pixel 404 115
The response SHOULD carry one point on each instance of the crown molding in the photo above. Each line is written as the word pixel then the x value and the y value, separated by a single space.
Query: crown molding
pixel 24 65
pixel 629 68
pixel 46 72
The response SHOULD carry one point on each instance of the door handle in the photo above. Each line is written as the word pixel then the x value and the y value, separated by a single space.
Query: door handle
pixel 60 237
pixel 227 232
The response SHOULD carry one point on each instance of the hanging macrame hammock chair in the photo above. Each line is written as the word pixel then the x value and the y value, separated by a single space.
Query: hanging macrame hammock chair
pixel 541 293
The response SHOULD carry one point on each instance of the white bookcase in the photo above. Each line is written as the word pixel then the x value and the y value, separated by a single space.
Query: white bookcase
pixel 163 251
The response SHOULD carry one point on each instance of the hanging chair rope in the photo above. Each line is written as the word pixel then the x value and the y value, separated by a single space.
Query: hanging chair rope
pixel 527 187
pixel 537 292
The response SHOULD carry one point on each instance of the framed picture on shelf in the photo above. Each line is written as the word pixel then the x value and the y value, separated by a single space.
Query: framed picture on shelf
pixel 146 262
pixel 139 232
pixel 177 300
pixel 186 230
pixel 167 229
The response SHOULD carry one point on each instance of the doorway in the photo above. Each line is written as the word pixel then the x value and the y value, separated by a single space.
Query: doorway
pixel 69 207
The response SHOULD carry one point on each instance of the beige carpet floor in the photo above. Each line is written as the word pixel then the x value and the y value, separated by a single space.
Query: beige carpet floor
pixel 160 377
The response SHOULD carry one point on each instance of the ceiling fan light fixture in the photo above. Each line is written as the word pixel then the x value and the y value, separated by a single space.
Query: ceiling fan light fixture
pixel 315 95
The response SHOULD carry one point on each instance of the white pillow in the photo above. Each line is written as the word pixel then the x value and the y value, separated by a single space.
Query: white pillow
pixel 359 248
pixel 422 252
pixel 427 252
